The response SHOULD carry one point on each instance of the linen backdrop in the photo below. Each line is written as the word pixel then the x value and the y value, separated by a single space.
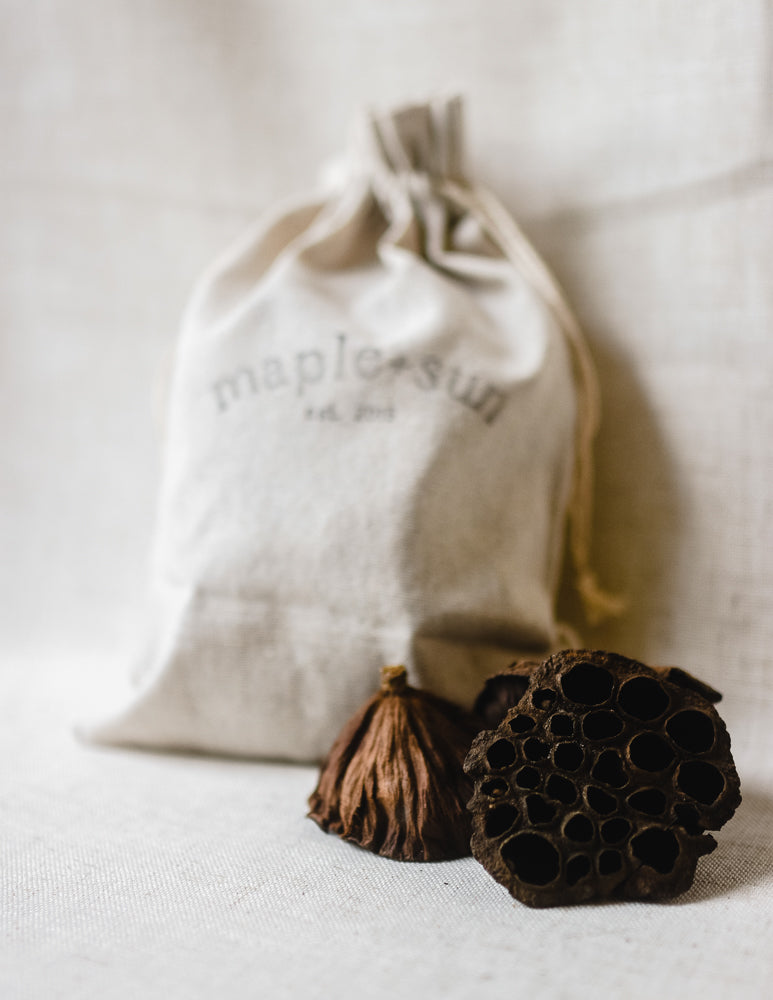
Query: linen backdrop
pixel 633 142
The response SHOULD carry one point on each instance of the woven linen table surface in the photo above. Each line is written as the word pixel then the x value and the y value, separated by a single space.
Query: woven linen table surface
pixel 129 875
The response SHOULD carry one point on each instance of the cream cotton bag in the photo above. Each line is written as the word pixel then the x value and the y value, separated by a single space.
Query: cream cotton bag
pixel 379 422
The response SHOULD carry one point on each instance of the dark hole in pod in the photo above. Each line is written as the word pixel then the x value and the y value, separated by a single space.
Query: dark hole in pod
pixel 701 781
pixel 561 725
pixel 543 698
pixel 609 769
pixel 499 695
pixel 687 817
pixel 539 810
pixel 568 756
pixel 615 829
pixel 587 684
pixel 501 754
pixel 691 730
pixel 600 801
pixel 531 858
pixel 500 819
pixel 521 724
pixel 576 868
pixel 601 725
pixel 560 788
pixel 527 777
pixel 610 862
pixel 650 752
pixel 579 828
pixel 535 749
pixel 643 698
pixel 657 848
pixel 649 800
pixel 494 786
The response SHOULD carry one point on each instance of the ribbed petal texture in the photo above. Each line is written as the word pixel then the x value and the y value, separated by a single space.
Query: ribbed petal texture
pixel 393 780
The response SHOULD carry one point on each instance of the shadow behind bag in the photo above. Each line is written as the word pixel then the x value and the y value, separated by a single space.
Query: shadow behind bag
pixel 380 419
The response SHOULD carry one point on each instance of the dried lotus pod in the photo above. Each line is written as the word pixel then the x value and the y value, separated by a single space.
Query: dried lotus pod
pixel 601 782
pixel 503 691
pixel 393 780
pixel 682 679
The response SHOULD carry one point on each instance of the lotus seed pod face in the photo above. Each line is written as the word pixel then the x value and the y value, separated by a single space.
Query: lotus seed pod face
pixel 601 782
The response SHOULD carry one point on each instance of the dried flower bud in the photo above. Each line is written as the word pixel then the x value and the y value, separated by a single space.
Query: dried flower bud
pixel 393 780
pixel 601 782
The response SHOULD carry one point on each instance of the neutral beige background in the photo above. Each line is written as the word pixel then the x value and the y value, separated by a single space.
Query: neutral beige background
pixel 633 142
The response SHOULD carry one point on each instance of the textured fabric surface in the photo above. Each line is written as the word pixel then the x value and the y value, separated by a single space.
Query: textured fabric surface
pixel 634 143
pixel 127 874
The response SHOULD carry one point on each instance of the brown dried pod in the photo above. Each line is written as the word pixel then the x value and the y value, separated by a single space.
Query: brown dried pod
pixel 503 691
pixel 601 782
pixel 393 780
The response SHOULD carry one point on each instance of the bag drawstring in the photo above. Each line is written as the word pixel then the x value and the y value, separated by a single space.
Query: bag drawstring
pixel 500 226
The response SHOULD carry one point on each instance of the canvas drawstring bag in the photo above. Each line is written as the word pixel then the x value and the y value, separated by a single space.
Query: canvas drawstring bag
pixel 380 423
